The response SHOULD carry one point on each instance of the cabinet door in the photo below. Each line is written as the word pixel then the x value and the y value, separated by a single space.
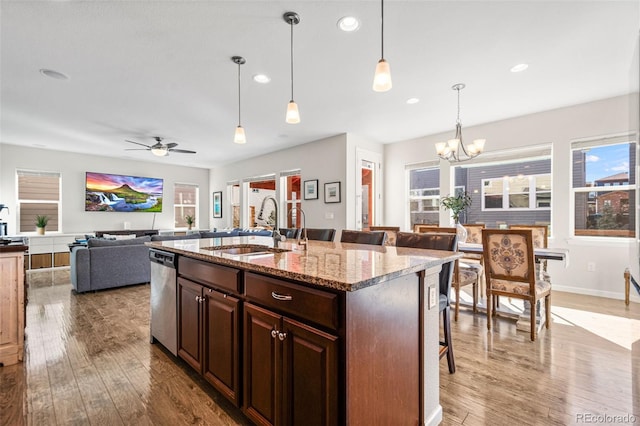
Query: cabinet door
pixel 221 342
pixel 189 326
pixel 262 371
pixel 310 375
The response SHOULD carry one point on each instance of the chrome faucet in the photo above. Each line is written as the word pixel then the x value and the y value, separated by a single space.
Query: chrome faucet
pixel 305 240
pixel 276 228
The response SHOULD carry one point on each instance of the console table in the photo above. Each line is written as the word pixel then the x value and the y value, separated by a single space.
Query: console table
pixel 138 232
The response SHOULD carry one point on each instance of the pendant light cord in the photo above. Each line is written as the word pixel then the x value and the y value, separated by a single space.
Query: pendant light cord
pixel 291 25
pixel 458 120
pixel 239 96
pixel 382 29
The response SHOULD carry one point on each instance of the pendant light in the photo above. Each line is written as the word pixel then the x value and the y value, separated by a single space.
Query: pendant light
pixel 239 137
pixel 293 116
pixel 382 77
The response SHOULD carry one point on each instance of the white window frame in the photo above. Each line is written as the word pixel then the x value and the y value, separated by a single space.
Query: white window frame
pixel 505 193
pixel 20 202
pixel 196 206
pixel 614 139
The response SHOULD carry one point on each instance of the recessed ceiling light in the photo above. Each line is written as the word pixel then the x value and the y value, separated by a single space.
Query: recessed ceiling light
pixel 412 101
pixel 348 24
pixel 519 67
pixel 53 74
pixel 261 78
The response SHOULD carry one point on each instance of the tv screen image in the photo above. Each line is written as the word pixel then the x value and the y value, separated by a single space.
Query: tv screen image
pixel 118 193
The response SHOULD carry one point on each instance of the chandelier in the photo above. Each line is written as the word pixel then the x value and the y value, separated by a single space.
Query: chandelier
pixel 454 149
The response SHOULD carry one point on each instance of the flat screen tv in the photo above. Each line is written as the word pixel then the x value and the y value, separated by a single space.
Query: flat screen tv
pixel 117 193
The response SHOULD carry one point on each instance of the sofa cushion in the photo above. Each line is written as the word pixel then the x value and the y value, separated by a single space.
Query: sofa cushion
pixel 95 242
pixel 174 237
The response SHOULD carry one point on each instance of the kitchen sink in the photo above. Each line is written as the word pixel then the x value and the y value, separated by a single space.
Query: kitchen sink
pixel 246 250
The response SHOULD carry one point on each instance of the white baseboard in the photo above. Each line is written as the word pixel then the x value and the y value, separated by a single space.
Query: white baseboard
pixel 633 295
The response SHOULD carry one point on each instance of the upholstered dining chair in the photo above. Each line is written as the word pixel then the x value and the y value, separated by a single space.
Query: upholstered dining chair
pixel 438 241
pixel 540 240
pixel 321 234
pixel 474 236
pixel 363 237
pixel 391 231
pixel 465 273
pixel 290 233
pixel 510 270
pixel 424 227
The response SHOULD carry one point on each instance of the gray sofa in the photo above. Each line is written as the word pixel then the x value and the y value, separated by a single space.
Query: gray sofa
pixel 110 263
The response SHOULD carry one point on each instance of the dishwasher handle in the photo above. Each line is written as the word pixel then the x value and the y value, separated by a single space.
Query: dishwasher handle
pixel 163 258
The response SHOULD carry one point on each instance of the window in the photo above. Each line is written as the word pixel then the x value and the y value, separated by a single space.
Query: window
pixel 603 187
pixel 292 190
pixel 517 192
pixel 424 195
pixel 185 203
pixel 38 194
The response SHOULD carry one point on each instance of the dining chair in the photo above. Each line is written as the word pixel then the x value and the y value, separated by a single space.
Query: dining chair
pixel 438 241
pixel 363 237
pixel 465 273
pixel 321 234
pixel 424 227
pixel 391 231
pixel 290 233
pixel 511 271
pixel 474 236
pixel 540 240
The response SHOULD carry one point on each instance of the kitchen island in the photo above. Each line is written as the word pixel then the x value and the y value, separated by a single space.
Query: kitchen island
pixel 336 334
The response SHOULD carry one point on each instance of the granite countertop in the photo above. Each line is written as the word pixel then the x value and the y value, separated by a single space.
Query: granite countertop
pixel 341 266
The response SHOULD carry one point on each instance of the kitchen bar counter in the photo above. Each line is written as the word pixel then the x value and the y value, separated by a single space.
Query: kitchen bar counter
pixel 341 266
pixel 338 334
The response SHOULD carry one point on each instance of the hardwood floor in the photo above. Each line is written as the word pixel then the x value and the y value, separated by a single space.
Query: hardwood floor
pixel 88 360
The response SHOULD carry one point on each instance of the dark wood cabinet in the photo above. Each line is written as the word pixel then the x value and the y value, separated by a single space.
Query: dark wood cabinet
pixel 290 371
pixel 209 335
pixel 221 361
pixel 189 322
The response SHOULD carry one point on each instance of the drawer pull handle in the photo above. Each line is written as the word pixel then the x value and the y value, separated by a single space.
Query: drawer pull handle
pixel 282 336
pixel 284 297
pixel 274 333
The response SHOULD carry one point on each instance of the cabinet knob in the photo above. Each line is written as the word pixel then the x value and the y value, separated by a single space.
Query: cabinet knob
pixel 282 336
pixel 197 298
pixel 274 333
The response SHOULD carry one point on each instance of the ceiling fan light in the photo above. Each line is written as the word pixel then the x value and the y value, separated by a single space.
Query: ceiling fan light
pixel 240 137
pixel 382 77
pixel 160 151
pixel 293 115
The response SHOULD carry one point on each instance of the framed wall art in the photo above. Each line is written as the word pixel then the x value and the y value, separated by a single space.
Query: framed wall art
pixel 311 189
pixel 332 192
pixel 217 204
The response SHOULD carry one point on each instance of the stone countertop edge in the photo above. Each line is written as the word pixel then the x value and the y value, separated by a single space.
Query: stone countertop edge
pixel 8 248
pixel 411 261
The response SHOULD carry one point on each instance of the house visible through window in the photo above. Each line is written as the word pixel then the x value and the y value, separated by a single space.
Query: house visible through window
pixel 185 202
pixel 604 187
pixel 38 195
pixel 424 195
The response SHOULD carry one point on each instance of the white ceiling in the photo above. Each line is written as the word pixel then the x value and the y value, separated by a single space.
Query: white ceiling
pixel 162 68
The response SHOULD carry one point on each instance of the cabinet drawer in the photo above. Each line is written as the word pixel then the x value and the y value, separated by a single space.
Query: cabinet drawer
pixel 318 306
pixel 218 276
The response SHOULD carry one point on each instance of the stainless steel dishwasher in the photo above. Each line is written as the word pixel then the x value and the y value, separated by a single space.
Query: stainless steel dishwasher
pixel 163 299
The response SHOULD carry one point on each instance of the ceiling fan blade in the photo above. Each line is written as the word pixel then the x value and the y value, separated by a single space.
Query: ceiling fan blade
pixel 138 149
pixel 137 143
pixel 182 151
pixel 171 145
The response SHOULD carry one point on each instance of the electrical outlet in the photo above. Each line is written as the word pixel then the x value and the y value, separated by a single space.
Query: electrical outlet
pixel 432 297
pixel 591 266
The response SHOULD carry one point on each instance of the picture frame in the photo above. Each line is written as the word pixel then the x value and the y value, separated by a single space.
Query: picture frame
pixel 332 192
pixel 311 189
pixel 217 204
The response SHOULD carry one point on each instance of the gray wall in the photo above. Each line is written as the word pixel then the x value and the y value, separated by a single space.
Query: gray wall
pixel 73 168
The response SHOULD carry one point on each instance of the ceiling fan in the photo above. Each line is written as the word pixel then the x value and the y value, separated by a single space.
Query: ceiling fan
pixel 160 149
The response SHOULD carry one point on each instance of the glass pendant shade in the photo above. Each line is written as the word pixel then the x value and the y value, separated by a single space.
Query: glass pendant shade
pixel 382 77
pixel 293 115
pixel 240 137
